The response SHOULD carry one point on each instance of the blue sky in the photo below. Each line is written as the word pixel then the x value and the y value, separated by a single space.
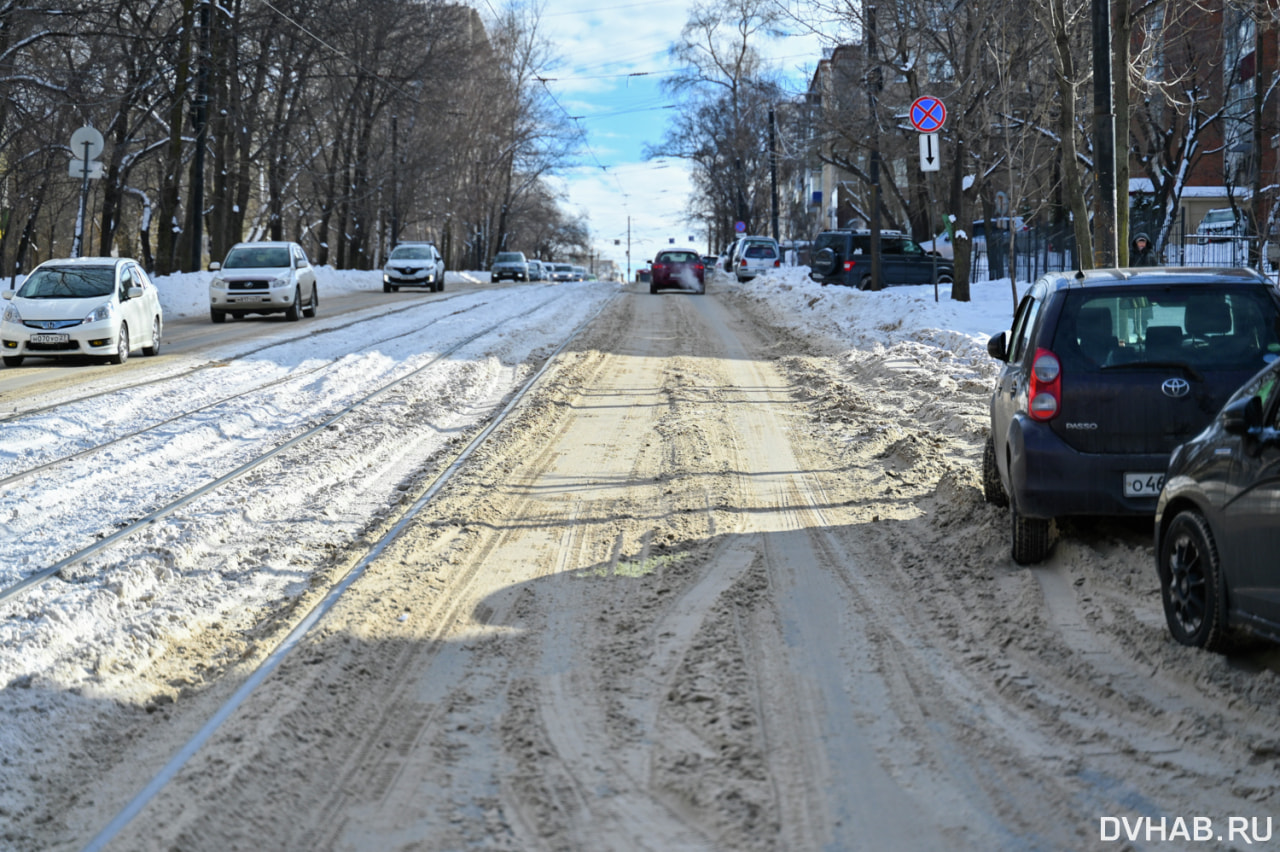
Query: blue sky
pixel 612 57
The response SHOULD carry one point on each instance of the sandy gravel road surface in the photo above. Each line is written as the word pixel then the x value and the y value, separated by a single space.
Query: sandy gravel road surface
pixel 715 586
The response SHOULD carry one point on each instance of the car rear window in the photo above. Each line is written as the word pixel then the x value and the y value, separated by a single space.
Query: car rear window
pixel 1206 327
pixel 677 257
pixel 760 250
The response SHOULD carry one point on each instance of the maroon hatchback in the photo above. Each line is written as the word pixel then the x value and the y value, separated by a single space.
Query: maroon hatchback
pixel 680 269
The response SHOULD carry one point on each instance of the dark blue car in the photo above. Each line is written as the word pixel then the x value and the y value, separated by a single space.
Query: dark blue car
pixel 1104 373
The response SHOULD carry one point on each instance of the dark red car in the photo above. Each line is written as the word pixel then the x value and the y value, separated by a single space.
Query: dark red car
pixel 680 269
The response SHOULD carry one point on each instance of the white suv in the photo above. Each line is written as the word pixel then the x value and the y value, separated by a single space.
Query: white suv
pixel 263 278
pixel 413 265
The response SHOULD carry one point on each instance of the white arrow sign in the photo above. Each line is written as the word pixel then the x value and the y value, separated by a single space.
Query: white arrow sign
pixel 930 154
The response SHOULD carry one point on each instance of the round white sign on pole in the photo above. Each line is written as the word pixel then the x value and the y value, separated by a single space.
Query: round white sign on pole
pixel 87 136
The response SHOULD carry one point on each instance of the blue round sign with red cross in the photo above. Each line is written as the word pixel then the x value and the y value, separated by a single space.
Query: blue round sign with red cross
pixel 928 114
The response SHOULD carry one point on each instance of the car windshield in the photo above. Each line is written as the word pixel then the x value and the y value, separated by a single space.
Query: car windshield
pixel 69 282
pixel 509 257
pixel 411 253
pixel 677 257
pixel 257 257
pixel 1207 327
pixel 1218 217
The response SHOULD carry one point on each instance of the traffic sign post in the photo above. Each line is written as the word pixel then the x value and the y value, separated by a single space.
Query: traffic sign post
pixel 86 143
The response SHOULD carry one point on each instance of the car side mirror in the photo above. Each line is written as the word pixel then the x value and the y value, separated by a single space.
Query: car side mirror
pixel 215 266
pixel 8 294
pixel 135 292
pixel 998 347
pixel 1243 415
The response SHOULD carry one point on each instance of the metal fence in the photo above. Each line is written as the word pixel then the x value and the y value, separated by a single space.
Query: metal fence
pixel 1038 250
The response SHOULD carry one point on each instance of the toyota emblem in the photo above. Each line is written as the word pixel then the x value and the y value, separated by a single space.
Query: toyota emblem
pixel 1176 387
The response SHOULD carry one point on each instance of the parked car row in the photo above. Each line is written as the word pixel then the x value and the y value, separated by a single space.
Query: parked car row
pixel 1149 392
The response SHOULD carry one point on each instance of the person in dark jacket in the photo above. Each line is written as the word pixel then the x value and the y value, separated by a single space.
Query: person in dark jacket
pixel 1141 254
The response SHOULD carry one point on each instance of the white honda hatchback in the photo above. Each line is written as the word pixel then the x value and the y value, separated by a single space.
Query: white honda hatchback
pixel 95 306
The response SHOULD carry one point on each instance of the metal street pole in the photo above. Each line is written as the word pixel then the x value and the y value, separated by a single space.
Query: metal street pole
pixel 873 86
pixel 773 171
pixel 1104 140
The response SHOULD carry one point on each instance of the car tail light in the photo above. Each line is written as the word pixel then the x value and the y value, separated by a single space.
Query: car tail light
pixel 698 266
pixel 744 261
pixel 1045 393
pixel 777 263
pixel 850 264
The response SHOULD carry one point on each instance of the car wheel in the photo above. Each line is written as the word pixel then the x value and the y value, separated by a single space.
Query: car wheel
pixel 217 316
pixel 992 487
pixel 122 346
pixel 293 314
pixel 314 304
pixel 440 282
pixel 13 360
pixel 154 348
pixel 653 289
pixel 945 279
pixel 1191 587
pixel 1030 537
pixel 865 283
pixel 386 288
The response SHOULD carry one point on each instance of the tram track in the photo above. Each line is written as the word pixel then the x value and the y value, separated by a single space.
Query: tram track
pixel 18 476
pixel 140 520
pixel 308 621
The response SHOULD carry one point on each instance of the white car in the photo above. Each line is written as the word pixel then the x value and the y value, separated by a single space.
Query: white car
pixel 263 278
pixel 754 256
pixel 413 265
pixel 96 306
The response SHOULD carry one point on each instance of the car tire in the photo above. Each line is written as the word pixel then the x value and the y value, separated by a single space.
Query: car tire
pixel 293 313
pixel 386 288
pixel 154 348
pixel 1191 586
pixel 1030 538
pixel 122 346
pixel 217 316
pixel 13 360
pixel 653 289
pixel 992 488
pixel 945 279
pixel 314 304
pixel 864 283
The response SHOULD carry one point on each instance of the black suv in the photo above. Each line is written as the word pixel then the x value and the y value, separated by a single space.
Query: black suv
pixel 1105 373
pixel 844 257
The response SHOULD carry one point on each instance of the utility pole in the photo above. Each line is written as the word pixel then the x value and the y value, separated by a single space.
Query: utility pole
pixel 773 172
pixel 873 87
pixel 1104 140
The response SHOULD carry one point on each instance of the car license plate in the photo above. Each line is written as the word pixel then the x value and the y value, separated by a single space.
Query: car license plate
pixel 1143 484
pixel 50 338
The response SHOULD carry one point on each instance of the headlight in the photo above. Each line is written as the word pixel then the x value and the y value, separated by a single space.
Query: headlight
pixel 11 315
pixel 282 281
pixel 219 282
pixel 102 312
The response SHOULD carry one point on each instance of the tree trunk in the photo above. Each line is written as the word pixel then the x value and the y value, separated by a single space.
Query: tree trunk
pixel 171 165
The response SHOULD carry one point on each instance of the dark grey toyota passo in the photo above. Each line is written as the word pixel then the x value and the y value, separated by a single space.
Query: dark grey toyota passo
pixel 1105 372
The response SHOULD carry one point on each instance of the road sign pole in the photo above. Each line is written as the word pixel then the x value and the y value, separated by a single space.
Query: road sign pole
pixel 77 244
